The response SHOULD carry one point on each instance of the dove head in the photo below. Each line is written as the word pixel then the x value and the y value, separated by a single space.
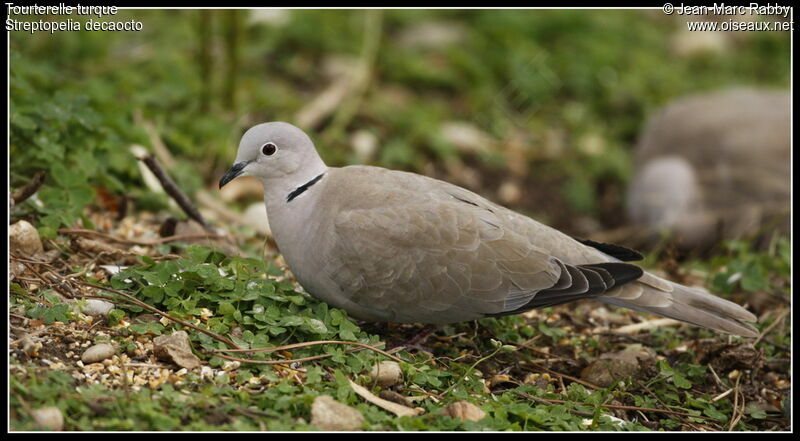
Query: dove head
pixel 279 154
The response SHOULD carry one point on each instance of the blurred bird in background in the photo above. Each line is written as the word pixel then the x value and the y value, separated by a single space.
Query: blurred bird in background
pixel 714 166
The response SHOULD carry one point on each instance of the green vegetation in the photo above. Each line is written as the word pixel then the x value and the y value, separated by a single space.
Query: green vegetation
pixel 572 87
pixel 561 96
pixel 266 313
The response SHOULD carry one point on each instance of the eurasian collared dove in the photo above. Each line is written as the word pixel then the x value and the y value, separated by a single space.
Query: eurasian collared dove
pixel 394 246
pixel 714 166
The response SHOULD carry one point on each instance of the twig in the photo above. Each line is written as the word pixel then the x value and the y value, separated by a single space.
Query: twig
pixel 161 151
pixel 613 406
pixel 252 413
pixel 312 343
pixel 172 189
pixel 650 324
pixel 772 326
pixel 24 403
pixel 285 362
pixel 722 395
pixel 159 241
pixel 37 262
pixel 470 369
pixel 651 393
pixel 147 365
pixel 152 309
pixel 622 336
pixel 546 401
pixel 28 265
pixel 31 335
pixel 532 362
pixel 737 413
pixel 716 377
pixel 569 377
pixel 29 189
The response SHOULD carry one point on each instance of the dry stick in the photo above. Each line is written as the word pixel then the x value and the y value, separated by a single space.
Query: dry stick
pixel 772 326
pixel 552 372
pixel 287 361
pixel 37 262
pixel 283 362
pixel 614 406
pixel 137 302
pixel 159 241
pixel 532 362
pixel 173 190
pixel 716 377
pixel 39 276
pixel 29 189
pixel 569 377
pixel 152 309
pixel 313 343
pixel 29 335
pixel 160 150
pixel 651 393
pixel 24 403
pixel 736 414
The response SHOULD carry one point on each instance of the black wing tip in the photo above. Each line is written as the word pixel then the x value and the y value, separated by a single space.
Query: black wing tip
pixel 621 272
pixel 617 251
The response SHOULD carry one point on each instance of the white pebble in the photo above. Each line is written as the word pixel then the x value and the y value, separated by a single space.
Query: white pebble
pixel 49 418
pixel 98 353
pixel 95 307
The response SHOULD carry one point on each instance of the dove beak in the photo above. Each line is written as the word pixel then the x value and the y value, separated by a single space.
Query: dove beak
pixel 233 173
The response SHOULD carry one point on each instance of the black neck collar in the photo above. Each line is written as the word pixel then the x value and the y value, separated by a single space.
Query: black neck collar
pixel 299 190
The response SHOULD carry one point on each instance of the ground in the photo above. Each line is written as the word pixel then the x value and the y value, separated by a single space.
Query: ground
pixel 574 367
pixel 538 110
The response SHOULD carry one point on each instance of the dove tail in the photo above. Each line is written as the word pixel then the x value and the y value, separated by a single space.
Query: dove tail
pixel 685 304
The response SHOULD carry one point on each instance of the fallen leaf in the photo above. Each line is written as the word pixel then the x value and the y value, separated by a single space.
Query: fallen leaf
pixel 395 408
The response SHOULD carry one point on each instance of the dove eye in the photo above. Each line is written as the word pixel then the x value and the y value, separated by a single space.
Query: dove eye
pixel 269 149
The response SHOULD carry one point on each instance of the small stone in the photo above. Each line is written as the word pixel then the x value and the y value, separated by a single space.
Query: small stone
pixel 15 269
pixel 608 368
pixel 329 414
pixel 146 318
pixel 49 418
pixel 30 346
pixel 23 237
pixel 386 373
pixel 177 349
pixel 96 307
pixel 98 353
pixel 465 411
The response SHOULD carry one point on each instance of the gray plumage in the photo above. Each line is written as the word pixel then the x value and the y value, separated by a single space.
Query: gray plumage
pixel 394 246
